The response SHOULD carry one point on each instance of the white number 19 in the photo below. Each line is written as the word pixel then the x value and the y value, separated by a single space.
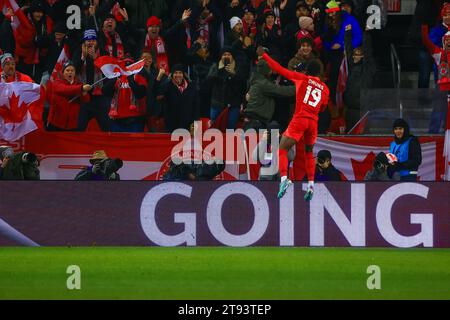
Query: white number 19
pixel 315 94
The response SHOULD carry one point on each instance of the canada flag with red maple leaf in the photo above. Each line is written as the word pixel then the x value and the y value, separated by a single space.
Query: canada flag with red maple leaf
pixel 21 109
pixel 113 67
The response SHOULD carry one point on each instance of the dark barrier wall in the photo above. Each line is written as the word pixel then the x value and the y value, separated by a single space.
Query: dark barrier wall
pixel 59 213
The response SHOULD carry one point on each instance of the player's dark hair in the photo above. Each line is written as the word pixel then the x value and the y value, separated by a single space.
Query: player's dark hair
pixel 313 68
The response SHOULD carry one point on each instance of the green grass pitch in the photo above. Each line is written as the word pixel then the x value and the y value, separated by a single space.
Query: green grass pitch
pixel 224 273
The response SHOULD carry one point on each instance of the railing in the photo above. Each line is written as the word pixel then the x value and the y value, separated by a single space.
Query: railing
pixel 396 76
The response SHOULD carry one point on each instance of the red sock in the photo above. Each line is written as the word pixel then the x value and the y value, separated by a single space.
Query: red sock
pixel 310 166
pixel 283 162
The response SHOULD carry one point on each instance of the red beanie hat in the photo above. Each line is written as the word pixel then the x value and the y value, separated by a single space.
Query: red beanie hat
pixel 445 10
pixel 153 21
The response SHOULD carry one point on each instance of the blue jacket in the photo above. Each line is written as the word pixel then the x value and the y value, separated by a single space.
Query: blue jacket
pixel 357 34
pixel 437 33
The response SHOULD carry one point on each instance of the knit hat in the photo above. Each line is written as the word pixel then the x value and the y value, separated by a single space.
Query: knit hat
pixel 153 21
pixel 60 28
pixel 90 34
pixel 445 10
pixel 227 49
pixel 36 5
pixel 109 16
pixel 179 67
pixel 5 58
pixel 250 10
pixel 269 13
pixel 67 64
pixel 306 23
pixel 332 6
pixel 234 21
pixel 324 154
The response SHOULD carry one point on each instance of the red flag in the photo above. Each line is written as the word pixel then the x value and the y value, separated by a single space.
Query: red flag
pixel 221 121
pixel 64 57
pixel 360 126
pixel 113 67
pixel 12 4
pixel 21 108
pixel 116 13
pixel 342 83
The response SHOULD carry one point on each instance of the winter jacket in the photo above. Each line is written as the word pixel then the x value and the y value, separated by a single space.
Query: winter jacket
pixel 181 109
pixel 262 93
pixel 32 41
pixel 63 113
pixel 328 174
pixel 340 36
pixel 227 89
pixel 360 75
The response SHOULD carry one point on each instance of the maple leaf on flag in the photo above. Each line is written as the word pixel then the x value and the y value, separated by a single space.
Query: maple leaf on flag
pixel 360 168
pixel 14 113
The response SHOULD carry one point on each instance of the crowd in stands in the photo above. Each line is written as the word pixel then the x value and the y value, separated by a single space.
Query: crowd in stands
pixel 200 59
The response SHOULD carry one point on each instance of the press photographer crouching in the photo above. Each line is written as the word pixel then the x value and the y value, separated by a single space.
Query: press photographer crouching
pixel 192 171
pixel 379 171
pixel 18 166
pixel 102 168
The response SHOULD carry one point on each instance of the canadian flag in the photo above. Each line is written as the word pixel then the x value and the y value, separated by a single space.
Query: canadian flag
pixel 113 67
pixel 342 83
pixel 18 14
pixel 447 143
pixel 64 57
pixel 21 109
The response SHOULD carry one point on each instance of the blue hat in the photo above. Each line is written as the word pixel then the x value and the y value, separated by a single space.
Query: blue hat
pixel 90 34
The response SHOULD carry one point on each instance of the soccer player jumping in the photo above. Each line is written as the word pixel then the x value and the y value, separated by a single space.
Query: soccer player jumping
pixel 311 98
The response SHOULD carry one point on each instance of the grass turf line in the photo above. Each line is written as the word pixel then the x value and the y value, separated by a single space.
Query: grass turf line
pixel 224 273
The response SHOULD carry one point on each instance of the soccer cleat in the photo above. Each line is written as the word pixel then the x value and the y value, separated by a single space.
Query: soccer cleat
pixel 309 193
pixel 284 185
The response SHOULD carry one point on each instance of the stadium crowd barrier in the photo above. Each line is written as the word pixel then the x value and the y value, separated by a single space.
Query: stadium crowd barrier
pixel 147 156
pixel 220 213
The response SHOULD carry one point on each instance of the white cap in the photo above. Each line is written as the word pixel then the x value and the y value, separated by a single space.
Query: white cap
pixel 234 21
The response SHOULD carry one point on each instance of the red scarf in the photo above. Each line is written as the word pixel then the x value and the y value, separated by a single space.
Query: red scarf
pixel 181 87
pixel 158 48
pixel 119 44
pixel 249 29
pixel 123 98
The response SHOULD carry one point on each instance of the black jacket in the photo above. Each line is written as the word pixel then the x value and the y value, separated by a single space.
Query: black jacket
pixel 181 109
pixel 329 174
pixel 227 88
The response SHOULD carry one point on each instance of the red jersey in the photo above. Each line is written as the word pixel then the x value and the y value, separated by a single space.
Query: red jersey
pixel 311 93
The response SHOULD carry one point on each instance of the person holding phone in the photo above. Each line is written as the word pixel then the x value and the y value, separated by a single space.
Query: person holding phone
pixel 228 87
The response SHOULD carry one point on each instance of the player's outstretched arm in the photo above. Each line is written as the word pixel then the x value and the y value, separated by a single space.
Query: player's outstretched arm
pixel 275 66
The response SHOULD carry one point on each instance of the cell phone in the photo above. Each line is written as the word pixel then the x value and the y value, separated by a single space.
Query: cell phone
pixel 226 61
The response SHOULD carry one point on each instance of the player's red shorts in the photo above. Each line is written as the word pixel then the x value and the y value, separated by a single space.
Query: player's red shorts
pixel 302 127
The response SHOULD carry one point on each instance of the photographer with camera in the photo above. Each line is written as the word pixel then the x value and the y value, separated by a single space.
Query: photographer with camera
pixel 379 171
pixel 102 169
pixel 18 166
